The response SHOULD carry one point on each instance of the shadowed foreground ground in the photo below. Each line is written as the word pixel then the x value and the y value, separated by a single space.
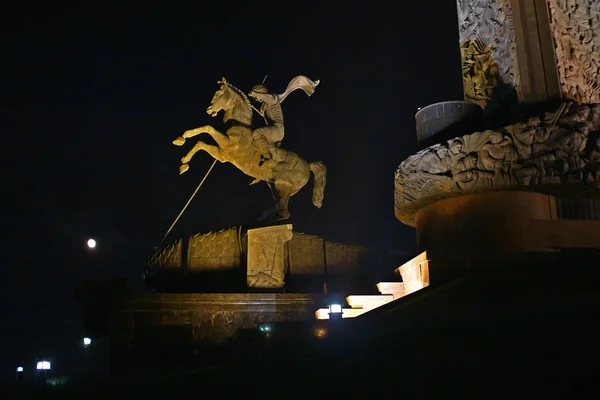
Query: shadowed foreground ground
pixel 511 331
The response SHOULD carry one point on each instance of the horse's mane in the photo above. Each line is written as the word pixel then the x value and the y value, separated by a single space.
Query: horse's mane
pixel 246 99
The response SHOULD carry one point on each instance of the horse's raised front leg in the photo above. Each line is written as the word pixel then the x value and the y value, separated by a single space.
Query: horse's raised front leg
pixel 214 151
pixel 221 139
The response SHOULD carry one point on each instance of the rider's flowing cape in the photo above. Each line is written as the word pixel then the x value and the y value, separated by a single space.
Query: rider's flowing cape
pixel 299 82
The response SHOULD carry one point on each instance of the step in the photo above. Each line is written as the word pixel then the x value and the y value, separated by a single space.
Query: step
pixel 396 289
pixel 415 273
pixel 369 302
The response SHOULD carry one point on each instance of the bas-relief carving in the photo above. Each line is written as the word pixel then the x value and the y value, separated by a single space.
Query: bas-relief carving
pixel 533 155
pixel 480 72
pixel 167 257
pixel 488 48
pixel 575 26
pixel 267 256
pixel 214 250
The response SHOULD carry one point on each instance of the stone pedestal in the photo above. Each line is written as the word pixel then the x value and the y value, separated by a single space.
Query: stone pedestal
pixel 146 328
pixel 267 256
pixel 222 261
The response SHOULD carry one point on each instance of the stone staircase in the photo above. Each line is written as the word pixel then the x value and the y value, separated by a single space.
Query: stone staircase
pixel 415 276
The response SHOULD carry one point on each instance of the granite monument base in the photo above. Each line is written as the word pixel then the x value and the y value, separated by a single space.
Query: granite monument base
pixel 150 328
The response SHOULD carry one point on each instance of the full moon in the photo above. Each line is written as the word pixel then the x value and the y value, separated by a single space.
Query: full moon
pixel 91 243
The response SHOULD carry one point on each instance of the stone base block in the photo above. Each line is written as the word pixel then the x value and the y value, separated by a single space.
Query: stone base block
pixel 146 324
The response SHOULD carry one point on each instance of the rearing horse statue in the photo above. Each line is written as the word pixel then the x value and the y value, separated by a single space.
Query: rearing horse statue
pixel 285 178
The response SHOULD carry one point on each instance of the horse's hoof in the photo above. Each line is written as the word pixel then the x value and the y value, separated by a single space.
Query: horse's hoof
pixel 183 168
pixel 179 141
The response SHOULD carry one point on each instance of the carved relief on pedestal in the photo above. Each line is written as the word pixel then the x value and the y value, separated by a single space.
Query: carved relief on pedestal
pixel 214 250
pixel 575 26
pixel 487 46
pixel 267 256
pixel 535 155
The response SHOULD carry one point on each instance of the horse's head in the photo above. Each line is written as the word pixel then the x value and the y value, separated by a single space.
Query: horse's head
pixel 233 101
pixel 222 100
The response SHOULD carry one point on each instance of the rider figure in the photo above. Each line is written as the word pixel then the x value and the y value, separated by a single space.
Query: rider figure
pixel 268 138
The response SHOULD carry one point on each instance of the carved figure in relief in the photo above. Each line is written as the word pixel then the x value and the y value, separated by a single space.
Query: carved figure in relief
pixel 540 151
pixel 592 167
pixel 480 71
pixel 266 261
pixel 436 160
pixel 523 134
pixel 497 156
pixel 595 153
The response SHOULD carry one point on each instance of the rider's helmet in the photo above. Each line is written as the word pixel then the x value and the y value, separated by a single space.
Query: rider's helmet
pixel 259 89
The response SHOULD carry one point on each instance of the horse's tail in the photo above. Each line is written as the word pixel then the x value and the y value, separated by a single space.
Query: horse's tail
pixel 320 172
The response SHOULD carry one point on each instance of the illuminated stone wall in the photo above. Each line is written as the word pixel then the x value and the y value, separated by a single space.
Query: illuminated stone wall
pixel 168 258
pixel 222 261
pixel 214 250
pixel 306 254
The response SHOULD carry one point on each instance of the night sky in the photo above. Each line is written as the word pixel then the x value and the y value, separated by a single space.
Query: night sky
pixel 92 96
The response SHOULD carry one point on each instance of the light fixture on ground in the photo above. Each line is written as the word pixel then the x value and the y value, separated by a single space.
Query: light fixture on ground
pixel 335 311
pixel 335 308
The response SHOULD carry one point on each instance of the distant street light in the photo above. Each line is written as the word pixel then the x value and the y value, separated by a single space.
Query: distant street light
pixel 19 376
pixel 87 341
pixel 91 243
pixel 43 365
